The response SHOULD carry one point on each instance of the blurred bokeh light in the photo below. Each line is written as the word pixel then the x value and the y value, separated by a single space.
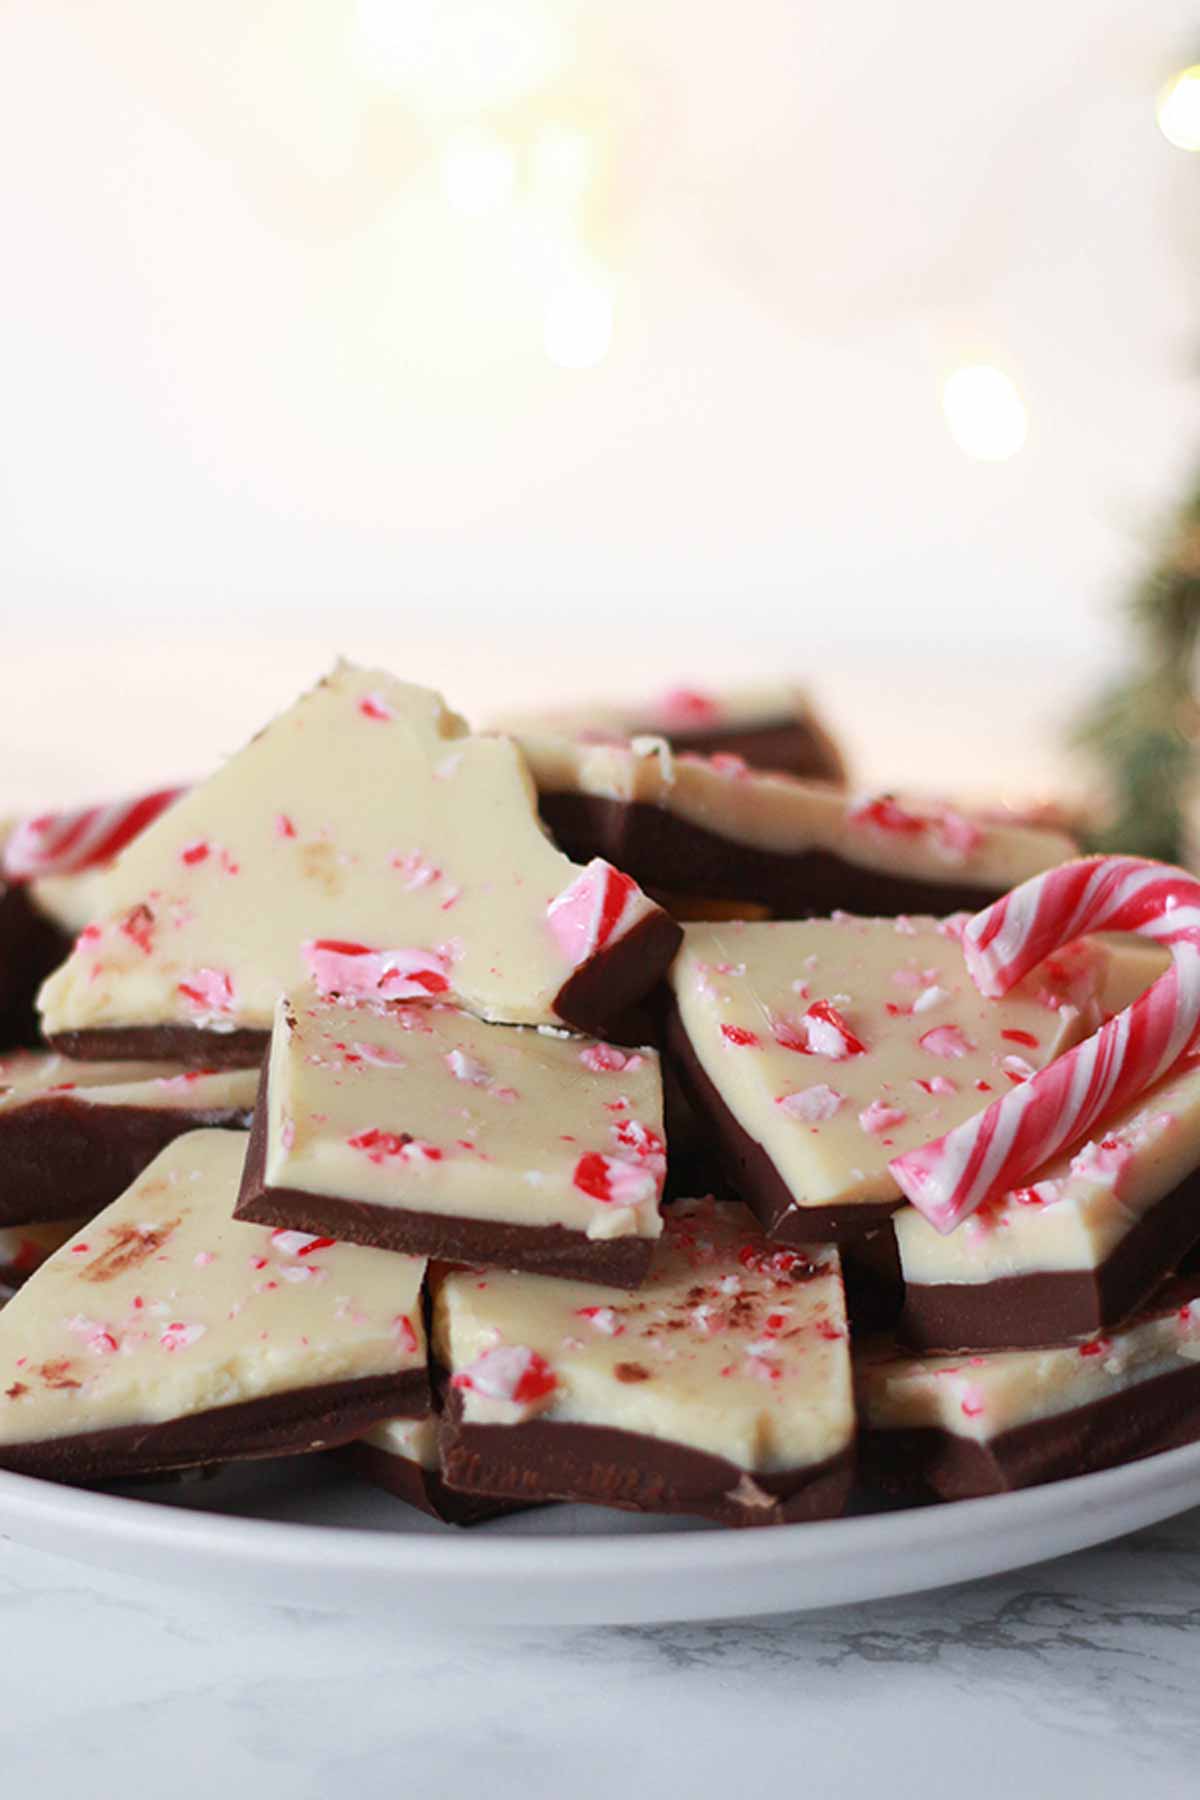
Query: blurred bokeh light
pixel 537 345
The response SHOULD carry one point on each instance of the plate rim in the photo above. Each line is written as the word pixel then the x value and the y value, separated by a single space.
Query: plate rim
pixel 462 1558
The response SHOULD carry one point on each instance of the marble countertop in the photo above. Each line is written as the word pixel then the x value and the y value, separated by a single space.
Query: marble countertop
pixel 1076 1678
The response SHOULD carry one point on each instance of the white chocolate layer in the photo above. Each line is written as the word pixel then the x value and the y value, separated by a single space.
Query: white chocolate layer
pixel 914 839
pixel 413 1440
pixel 428 1109
pixel 366 817
pixel 33 1075
pixel 980 1396
pixel 165 1306
pixel 72 901
pixel 931 1050
pixel 1074 1213
pixel 722 1349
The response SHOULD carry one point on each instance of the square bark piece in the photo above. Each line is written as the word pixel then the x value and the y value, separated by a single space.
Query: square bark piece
pixel 819 1051
pixel 722 1388
pixel 422 1129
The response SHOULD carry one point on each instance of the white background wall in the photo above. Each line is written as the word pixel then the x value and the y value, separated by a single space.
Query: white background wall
pixel 268 392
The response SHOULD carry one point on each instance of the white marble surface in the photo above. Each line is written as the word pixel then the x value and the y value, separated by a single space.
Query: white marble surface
pixel 1077 1678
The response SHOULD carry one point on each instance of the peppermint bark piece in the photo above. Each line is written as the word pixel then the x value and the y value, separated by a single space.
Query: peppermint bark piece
pixel 958 1426
pixel 422 1129
pixel 818 1051
pixel 402 1456
pixel 167 1335
pixel 715 827
pixel 366 839
pixel 721 1388
pixel 771 726
pixel 73 1135
pixel 1074 1251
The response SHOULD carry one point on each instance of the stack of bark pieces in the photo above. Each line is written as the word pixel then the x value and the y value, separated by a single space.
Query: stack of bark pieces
pixel 362 1117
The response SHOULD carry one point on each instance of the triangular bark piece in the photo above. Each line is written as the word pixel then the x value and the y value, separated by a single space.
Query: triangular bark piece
pixel 365 838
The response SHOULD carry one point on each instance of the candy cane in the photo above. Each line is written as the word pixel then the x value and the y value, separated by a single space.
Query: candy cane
pixel 946 1180
pixel 67 843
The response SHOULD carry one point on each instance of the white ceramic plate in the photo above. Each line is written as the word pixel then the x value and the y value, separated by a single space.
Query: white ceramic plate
pixel 328 1542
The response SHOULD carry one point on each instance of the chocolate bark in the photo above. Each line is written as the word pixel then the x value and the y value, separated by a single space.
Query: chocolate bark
pixel 542 1249
pixel 915 1462
pixel 751 1171
pixel 286 1424
pixel 1046 1306
pixel 66 1158
pixel 603 1466
pixel 668 853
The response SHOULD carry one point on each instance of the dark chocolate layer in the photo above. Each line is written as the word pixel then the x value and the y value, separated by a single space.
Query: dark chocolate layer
pixel 1154 1415
pixel 1045 1306
pixel 189 1044
pixel 797 746
pixel 661 850
pixel 30 946
pixel 495 1243
pixel 617 978
pixel 872 1280
pixel 64 1157
pixel 751 1171
pixel 290 1424
pixel 599 1465
pixel 422 1488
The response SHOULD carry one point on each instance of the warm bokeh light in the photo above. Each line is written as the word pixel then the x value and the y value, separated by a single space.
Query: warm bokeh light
pixel 562 165
pixel 479 173
pixel 985 413
pixel 577 325
pixel 460 56
pixel 1179 109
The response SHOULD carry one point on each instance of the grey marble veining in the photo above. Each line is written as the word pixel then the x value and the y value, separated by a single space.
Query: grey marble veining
pixel 1080 1677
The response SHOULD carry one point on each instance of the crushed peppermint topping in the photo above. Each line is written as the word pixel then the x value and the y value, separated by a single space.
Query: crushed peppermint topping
pixel 946 1040
pixel 508 1372
pixel 812 1105
pixel 879 1116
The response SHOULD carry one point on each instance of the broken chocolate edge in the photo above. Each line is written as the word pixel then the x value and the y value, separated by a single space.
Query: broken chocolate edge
pixel 751 1170
pixel 616 978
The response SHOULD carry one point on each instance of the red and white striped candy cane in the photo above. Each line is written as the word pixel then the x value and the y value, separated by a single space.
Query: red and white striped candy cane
pixel 1017 1134
pixel 69 842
